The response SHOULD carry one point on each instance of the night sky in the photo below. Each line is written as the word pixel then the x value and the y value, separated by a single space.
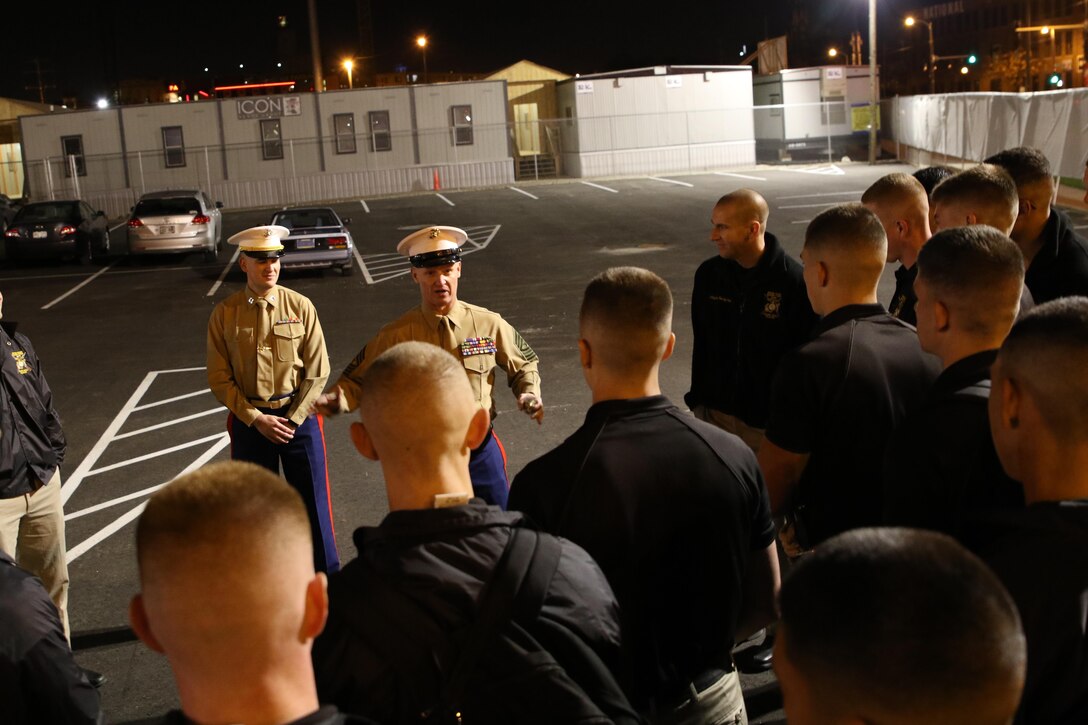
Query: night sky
pixel 84 49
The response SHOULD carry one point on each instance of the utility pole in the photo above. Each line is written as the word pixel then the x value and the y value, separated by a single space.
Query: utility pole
pixel 874 99
pixel 315 48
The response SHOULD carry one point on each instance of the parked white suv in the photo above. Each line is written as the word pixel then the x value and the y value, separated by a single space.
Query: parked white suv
pixel 175 221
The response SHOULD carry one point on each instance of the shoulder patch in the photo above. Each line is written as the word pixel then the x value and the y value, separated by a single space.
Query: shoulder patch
pixel 355 362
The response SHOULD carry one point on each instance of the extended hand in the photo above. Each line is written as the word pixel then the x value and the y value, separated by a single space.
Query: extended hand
pixel 274 428
pixel 532 406
pixel 327 404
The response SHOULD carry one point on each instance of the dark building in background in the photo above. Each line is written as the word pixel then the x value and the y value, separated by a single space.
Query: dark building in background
pixel 1005 60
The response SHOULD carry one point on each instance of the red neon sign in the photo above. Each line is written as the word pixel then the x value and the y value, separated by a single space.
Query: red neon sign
pixel 278 84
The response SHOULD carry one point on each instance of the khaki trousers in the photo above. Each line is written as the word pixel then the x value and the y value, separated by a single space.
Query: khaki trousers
pixel 752 437
pixel 32 533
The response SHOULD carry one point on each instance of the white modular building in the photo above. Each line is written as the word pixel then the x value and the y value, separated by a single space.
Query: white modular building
pixel 656 120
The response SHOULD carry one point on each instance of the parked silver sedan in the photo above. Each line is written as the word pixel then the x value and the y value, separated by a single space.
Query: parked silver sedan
pixel 319 238
pixel 164 222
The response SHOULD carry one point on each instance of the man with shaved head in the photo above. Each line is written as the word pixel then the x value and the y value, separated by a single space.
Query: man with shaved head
pixel 1056 256
pixel 897 627
pixel 748 308
pixel 237 630
pixel 983 194
pixel 902 206
pixel 1039 418
pixel 940 465
pixel 402 613
pixel 672 508
pixel 837 399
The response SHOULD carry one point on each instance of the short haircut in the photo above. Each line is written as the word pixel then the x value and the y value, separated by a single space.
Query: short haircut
pixel 749 202
pixel 849 228
pixel 628 311
pixel 930 176
pixel 977 270
pixel 894 189
pixel 1047 351
pixel 413 381
pixel 988 190
pixel 233 505
pixel 904 621
pixel 1026 165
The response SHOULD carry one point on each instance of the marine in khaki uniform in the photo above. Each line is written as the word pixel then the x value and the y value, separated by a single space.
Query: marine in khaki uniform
pixel 478 337
pixel 267 364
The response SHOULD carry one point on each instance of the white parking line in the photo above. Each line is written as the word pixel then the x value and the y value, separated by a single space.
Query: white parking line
pixel 445 199
pixel 175 399
pixel 78 286
pixel 826 193
pixel 168 423
pixel 362 265
pixel 113 229
pixel 801 221
pixel 522 191
pixel 598 186
pixel 739 176
pixel 672 181
pixel 1081 226
pixel 807 206
pixel 87 544
pixel 223 274
pixel 365 207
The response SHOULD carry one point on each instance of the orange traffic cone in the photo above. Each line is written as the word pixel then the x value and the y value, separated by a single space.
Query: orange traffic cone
pixel 437 183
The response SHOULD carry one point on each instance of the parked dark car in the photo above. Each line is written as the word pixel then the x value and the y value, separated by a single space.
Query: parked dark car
pixel 58 230
pixel 8 209
pixel 319 238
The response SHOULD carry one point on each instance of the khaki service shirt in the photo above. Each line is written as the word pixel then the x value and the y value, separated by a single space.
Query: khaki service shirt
pixel 252 360
pixel 484 341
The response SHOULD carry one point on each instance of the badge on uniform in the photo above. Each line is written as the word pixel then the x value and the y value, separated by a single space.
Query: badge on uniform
pixel 287 320
pixel 478 346
pixel 20 362
pixel 773 307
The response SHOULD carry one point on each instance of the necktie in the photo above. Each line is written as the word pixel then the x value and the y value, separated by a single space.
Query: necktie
pixel 446 339
pixel 264 352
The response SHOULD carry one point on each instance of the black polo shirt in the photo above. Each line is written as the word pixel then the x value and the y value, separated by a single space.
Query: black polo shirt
pixel 1060 268
pixel 838 398
pixel 743 321
pixel 671 508
pixel 1040 553
pixel 941 464
pixel 904 299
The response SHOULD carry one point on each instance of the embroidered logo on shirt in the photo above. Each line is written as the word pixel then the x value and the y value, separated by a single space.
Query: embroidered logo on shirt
pixel 20 362
pixel 898 305
pixel 772 310
pixel 477 346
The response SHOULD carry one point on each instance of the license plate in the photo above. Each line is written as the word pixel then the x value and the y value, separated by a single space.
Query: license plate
pixel 166 229
pixel 304 243
pixel 39 235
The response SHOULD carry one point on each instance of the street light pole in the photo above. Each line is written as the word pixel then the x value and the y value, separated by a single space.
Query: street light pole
pixel 932 60
pixel 873 98
pixel 421 41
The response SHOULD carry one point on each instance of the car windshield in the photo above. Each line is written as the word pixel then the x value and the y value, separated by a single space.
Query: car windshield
pixel 45 212
pixel 177 206
pixel 306 219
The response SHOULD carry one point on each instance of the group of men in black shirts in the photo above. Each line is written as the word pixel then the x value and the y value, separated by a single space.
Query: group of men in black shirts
pixel 818 416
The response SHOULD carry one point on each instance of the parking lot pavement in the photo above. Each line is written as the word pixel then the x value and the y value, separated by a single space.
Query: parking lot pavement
pixel 123 346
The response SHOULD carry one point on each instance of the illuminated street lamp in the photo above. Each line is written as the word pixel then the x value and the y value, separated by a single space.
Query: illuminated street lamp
pixel 910 22
pixel 349 65
pixel 102 103
pixel 833 54
pixel 421 41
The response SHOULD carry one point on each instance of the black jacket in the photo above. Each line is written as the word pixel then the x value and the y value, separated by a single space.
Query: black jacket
pixel 32 443
pixel 941 465
pixel 441 559
pixel 1060 268
pixel 743 322
pixel 40 681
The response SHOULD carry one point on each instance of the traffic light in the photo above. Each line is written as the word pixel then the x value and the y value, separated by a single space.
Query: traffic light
pixel 972 59
pixel 1055 80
